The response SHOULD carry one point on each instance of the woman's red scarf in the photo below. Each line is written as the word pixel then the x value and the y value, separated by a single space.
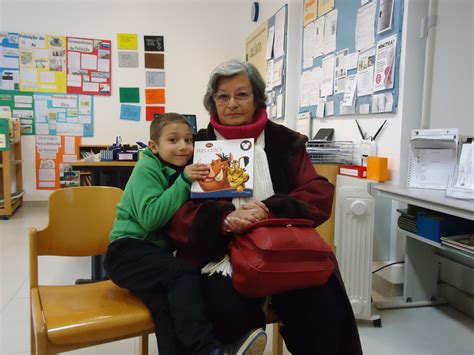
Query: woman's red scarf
pixel 251 130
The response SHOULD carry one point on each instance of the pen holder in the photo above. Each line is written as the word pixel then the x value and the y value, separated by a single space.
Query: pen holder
pixel 377 168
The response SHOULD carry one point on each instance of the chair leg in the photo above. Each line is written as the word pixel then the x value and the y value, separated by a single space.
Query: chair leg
pixel 277 340
pixel 143 345
pixel 32 338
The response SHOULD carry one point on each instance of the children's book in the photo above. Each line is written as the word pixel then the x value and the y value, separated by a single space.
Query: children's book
pixel 231 168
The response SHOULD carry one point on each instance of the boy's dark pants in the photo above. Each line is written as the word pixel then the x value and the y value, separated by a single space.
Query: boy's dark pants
pixel 171 290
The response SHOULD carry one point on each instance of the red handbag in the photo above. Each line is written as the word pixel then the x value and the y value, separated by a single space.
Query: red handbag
pixel 277 255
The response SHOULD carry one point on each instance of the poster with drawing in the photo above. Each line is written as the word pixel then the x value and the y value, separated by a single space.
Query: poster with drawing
pixel 42 63
pixel 89 66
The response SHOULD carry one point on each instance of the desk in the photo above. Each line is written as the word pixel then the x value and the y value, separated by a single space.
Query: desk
pixel 104 173
pixel 421 258
pixel 107 173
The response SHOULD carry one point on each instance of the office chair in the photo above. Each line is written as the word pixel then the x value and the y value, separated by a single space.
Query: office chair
pixel 65 318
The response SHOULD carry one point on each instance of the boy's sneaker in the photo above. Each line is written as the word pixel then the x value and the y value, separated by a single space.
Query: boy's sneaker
pixel 253 343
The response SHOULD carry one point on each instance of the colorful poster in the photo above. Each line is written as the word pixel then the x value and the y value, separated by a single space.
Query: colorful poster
pixel 127 41
pixel 89 68
pixel 130 112
pixel 154 44
pixel 155 96
pixel 53 153
pixel 42 63
pixel 21 106
pixel 9 61
pixel 64 115
pixel 151 111
pixel 310 11
pixel 129 95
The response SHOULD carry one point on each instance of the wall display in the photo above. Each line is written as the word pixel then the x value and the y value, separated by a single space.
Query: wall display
pixel 155 78
pixel 42 63
pixel 64 115
pixel 130 95
pixel 151 111
pixel 53 153
pixel 357 49
pixel 130 112
pixel 127 59
pixel 276 64
pixel 154 43
pixel 256 48
pixel 154 61
pixel 20 105
pixel 89 69
pixel 9 61
pixel 155 96
pixel 127 41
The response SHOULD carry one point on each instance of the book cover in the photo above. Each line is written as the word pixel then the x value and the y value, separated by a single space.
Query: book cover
pixel 465 241
pixel 231 168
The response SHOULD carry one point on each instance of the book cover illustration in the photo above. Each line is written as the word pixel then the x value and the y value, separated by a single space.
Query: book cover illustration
pixel 231 168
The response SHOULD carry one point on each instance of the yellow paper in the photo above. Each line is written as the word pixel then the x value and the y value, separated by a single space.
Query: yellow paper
pixel 310 9
pixel 324 6
pixel 127 41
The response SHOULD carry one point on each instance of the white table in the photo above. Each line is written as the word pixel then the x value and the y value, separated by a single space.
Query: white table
pixel 421 260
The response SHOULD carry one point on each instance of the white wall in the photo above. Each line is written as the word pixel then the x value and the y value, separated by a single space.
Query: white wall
pixel 198 35
pixel 453 74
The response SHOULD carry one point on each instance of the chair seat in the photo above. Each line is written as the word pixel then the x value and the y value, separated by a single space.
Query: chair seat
pixel 92 312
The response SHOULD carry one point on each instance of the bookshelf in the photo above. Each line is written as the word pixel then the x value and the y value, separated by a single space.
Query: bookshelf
pixel 11 181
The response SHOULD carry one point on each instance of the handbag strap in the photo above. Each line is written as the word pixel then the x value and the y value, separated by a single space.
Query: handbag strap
pixel 270 222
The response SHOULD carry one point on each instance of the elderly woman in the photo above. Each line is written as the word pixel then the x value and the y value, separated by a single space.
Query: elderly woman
pixel 317 320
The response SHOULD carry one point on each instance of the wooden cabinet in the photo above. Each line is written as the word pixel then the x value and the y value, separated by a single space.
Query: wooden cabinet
pixel 11 181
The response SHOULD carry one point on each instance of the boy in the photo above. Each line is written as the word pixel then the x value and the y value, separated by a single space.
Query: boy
pixel 140 257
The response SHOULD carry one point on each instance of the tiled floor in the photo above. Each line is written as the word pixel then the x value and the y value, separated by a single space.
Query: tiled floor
pixel 430 330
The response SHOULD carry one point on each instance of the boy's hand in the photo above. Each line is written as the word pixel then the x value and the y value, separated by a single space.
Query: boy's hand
pixel 197 171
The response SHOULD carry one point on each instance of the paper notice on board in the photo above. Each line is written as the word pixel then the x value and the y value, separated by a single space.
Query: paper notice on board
pixel 279 45
pixel 330 29
pixel 327 76
pixel 305 84
pixel 340 71
pixel 315 86
pixel 365 33
pixel 308 45
pixel 384 63
pixel 319 36
pixel 349 93
pixel 270 40
pixel 365 73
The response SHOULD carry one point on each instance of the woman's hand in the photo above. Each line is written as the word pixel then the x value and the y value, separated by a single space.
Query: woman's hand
pixel 239 220
pixel 197 171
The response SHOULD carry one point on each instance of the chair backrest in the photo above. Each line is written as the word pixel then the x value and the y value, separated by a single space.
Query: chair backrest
pixel 80 220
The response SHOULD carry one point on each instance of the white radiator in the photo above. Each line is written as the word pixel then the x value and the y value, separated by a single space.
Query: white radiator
pixel 354 231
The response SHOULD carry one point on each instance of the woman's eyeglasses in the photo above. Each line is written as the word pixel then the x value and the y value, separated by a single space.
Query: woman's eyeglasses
pixel 224 99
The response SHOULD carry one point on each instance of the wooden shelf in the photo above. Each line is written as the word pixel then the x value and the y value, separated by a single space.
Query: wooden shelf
pixel 11 168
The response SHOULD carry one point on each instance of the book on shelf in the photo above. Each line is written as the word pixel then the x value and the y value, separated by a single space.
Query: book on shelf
pixel 15 196
pixel 463 242
pixel 231 168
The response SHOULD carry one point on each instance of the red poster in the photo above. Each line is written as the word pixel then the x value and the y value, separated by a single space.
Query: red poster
pixel 152 110
pixel 89 66
pixel 51 152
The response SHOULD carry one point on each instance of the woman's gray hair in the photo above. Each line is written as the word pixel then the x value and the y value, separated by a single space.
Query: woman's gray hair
pixel 231 68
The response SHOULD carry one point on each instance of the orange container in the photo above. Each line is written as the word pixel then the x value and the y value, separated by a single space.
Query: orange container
pixel 377 168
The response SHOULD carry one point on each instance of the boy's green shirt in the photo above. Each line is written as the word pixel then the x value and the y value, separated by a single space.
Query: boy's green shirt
pixel 149 202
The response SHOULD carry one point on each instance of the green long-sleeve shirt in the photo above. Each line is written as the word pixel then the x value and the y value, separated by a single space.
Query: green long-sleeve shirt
pixel 149 201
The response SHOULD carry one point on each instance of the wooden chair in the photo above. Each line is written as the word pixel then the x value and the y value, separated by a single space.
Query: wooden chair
pixel 65 318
